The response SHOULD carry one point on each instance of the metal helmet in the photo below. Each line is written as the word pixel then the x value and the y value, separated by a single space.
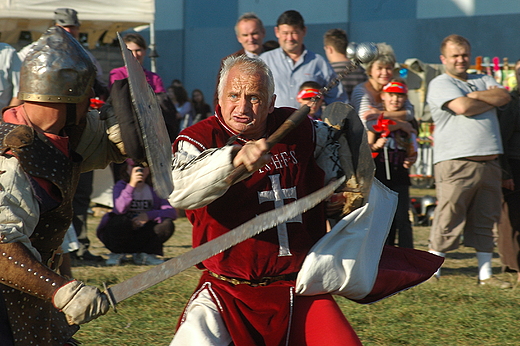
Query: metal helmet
pixel 57 69
pixel 426 202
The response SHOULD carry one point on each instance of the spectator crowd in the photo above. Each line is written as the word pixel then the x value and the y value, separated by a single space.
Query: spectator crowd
pixel 476 158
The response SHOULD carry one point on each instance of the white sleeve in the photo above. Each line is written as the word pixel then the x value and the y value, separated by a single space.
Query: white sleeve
pixel 19 209
pixel 199 177
pixel 95 147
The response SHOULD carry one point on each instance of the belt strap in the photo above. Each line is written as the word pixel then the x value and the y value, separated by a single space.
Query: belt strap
pixel 255 283
pixel 52 259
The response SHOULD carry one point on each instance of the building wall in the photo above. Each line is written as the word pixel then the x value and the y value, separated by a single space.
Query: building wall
pixel 193 35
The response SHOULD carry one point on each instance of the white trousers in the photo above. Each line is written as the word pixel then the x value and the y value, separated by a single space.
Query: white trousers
pixel 202 324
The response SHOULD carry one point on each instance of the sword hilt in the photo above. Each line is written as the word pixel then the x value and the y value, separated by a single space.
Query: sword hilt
pixel 294 120
pixel 110 297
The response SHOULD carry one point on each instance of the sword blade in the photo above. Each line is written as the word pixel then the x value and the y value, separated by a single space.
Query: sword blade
pixel 245 231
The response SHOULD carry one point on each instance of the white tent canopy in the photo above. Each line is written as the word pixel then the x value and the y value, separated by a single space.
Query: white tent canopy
pixel 96 17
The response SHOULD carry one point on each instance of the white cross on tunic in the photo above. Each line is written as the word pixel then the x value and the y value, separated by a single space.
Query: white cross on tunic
pixel 278 195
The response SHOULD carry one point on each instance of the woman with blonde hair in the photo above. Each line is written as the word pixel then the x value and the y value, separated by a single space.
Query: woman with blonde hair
pixel 366 97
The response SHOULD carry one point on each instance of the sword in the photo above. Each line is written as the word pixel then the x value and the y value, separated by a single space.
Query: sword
pixel 174 266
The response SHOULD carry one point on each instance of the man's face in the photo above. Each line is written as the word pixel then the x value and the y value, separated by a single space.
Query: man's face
pixel 244 99
pixel 290 38
pixel 138 51
pixel 455 59
pixel 251 36
pixel 73 30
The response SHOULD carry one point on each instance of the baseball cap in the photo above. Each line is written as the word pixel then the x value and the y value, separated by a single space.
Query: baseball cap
pixel 66 17
pixel 395 87
pixel 308 93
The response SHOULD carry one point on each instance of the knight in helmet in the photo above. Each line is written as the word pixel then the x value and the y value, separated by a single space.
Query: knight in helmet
pixel 44 145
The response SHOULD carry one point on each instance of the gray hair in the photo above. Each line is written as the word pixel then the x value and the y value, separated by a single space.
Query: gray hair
pixel 249 16
pixel 248 65
pixel 385 56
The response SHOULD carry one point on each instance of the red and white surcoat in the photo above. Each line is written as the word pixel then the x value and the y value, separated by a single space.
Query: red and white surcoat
pixel 292 173
pixel 301 163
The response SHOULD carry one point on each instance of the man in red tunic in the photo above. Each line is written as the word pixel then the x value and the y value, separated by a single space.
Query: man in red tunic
pixel 246 294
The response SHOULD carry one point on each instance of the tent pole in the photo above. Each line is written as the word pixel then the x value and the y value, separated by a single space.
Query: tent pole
pixel 153 52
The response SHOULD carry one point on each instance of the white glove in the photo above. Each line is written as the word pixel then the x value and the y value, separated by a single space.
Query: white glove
pixel 114 135
pixel 80 303
pixel 113 131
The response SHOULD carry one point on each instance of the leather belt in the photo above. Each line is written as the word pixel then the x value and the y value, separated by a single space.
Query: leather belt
pixel 52 259
pixel 470 160
pixel 255 283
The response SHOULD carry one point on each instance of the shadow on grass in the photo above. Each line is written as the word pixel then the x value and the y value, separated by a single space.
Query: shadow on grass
pixel 469 270
pixel 84 263
pixel 460 255
pixel 188 246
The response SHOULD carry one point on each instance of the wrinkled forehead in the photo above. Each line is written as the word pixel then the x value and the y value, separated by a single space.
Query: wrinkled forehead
pixel 244 79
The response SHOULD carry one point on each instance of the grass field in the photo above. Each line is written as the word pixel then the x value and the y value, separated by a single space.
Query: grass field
pixel 452 311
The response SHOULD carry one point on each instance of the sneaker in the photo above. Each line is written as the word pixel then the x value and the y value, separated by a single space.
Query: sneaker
pixel 114 259
pixel 495 282
pixel 146 259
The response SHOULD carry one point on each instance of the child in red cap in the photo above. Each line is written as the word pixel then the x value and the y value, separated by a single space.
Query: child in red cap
pixel 392 144
pixel 307 91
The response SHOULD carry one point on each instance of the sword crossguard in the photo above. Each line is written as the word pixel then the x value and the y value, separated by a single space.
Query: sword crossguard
pixel 111 299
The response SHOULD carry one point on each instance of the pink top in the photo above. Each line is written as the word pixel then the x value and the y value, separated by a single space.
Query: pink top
pixel 152 78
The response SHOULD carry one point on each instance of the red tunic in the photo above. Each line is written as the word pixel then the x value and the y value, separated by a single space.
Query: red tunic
pixel 259 315
pixel 292 173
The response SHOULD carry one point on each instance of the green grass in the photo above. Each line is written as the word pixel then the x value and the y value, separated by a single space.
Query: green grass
pixel 452 311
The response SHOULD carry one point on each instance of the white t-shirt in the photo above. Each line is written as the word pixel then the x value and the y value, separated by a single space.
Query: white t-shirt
pixel 456 135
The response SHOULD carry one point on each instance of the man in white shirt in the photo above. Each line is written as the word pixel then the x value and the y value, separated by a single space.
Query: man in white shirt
pixel 250 33
pixel 292 64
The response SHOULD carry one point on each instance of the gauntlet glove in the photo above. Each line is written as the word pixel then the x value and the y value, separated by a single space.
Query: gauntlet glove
pixel 80 303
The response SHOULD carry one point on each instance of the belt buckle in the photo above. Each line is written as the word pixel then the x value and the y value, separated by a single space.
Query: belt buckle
pixel 54 261
pixel 233 281
pixel 267 280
